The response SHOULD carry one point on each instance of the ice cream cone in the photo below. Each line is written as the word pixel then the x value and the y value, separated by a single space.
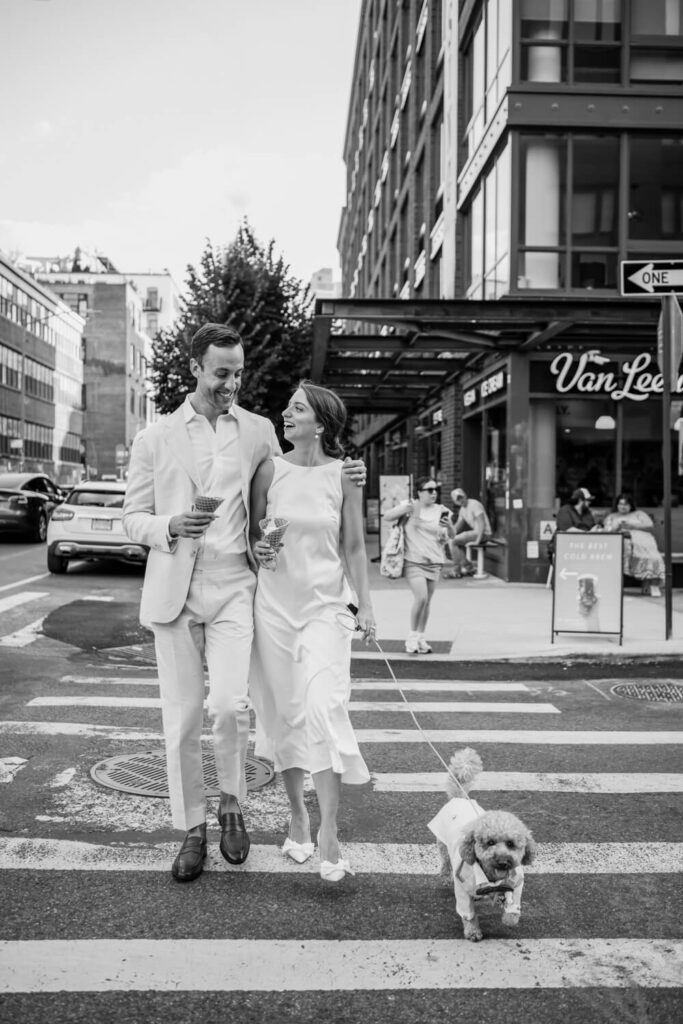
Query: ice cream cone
pixel 273 530
pixel 204 503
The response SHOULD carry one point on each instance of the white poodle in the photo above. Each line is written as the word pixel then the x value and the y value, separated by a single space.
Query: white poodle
pixel 483 851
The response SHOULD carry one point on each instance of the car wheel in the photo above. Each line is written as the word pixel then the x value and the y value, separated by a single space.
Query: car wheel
pixel 40 532
pixel 57 563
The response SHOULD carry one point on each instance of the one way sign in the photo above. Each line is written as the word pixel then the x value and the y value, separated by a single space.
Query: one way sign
pixel 651 277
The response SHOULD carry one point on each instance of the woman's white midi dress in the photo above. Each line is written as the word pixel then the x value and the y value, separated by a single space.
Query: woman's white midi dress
pixel 301 661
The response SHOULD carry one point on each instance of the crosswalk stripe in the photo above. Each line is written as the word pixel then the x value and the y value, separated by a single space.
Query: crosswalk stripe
pixel 525 736
pixel 365 858
pixel 24 582
pixel 417 685
pixel 25 636
pixel 461 707
pixel 281 965
pixel 7 603
pixel 538 782
pixel 522 736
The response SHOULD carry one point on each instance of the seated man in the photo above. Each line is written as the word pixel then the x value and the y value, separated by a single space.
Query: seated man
pixel 472 526
pixel 576 514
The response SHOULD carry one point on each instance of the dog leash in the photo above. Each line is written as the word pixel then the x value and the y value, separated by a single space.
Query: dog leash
pixel 357 628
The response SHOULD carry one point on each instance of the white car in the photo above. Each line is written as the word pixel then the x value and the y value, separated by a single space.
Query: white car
pixel 87 525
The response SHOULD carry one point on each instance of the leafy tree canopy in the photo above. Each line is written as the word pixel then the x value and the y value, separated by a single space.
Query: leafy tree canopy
pixel 246 285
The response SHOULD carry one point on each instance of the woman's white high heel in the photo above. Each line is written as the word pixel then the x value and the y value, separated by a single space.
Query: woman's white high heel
pixel 298 852
pixel 330 872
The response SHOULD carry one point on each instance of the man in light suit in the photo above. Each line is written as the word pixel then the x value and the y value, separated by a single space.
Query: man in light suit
pixel 199 583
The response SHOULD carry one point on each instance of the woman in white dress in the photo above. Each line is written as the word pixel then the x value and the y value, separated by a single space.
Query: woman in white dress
pixel 427 524
pixel 301 678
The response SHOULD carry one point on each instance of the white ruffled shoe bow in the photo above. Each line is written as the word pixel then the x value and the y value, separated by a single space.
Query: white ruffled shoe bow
pixel 298 852
pixel 330 872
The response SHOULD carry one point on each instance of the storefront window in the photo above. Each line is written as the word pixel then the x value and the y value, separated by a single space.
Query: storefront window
pixel 585 456
pixel 496 468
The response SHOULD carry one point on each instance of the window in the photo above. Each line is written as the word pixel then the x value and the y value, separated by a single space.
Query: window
pixel 571 42
pixel 542 229
pixel 655 188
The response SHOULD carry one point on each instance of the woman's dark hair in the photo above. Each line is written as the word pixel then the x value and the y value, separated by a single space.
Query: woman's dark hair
pixel 624 496
pixel 221 335
pixel 330 412
pixel 421 481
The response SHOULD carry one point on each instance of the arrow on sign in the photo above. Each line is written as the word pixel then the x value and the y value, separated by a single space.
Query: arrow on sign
pixel 648 278
pixel 565 572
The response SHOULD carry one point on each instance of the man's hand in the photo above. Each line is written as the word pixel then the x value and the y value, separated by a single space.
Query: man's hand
pixel 355 468
pixel 190 524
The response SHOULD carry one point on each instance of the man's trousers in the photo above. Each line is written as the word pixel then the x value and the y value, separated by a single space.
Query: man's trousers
pixel 216 625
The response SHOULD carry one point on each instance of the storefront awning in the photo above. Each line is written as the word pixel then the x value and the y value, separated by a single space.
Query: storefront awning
pixel 395 356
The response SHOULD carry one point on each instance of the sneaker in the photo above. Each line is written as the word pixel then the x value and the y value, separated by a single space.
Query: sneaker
pixel 411 645
pixel 422 646
pixel 654 590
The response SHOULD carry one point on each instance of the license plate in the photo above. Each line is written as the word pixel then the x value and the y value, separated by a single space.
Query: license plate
pixel 101 524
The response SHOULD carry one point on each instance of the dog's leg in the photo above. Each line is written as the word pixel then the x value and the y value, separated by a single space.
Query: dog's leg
pixel 464 904
pixel 512 908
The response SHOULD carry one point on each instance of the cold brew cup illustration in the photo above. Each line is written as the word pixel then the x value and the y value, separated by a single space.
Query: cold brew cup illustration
pixel 587 592
pixel 272 531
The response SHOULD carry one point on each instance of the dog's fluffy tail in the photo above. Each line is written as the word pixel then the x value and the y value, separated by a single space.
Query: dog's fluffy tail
pixel 465 766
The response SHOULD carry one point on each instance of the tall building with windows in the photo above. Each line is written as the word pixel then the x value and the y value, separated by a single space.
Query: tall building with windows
pixel 41 379
pixel 117 352
pixel 160 300
pixel 511 156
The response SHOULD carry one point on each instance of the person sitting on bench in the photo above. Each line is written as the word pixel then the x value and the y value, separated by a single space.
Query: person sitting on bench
pixel 472 526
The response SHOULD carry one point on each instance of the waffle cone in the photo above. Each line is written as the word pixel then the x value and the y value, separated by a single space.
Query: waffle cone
pixel 273 536
pixel 204 503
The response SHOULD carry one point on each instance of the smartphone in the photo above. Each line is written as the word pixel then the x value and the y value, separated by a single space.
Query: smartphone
pixel 444 518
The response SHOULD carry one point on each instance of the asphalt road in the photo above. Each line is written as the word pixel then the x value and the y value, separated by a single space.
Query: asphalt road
pixel 94 929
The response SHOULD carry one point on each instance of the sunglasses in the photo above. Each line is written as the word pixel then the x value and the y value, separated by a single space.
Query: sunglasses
pixel 430 490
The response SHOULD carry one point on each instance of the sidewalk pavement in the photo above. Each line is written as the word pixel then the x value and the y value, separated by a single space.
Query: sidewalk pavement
pixel 489 620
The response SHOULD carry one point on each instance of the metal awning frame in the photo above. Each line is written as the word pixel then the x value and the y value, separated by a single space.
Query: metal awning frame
pixel 396 356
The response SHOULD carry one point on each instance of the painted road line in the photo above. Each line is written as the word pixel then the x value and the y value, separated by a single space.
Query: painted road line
pixel 8 603
pixel 416 685
pixel 459 707
pixel 25 582
pixel 24 637
pixel 534 782
pixel 282 965
pixel 367 858
pixel 526 736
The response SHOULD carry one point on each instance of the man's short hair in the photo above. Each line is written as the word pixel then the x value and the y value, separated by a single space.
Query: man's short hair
pixel 222 335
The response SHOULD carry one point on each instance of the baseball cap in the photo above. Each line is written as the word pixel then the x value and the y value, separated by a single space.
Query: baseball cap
pixel 582 492
pixel 458 494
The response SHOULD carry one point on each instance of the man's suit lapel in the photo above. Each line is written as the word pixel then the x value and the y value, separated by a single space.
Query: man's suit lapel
pixel 178 441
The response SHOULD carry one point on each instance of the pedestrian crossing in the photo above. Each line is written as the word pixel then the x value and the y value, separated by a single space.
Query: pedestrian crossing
pixel 392 928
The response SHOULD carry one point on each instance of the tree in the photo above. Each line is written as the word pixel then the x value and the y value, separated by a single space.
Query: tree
pixel 249 287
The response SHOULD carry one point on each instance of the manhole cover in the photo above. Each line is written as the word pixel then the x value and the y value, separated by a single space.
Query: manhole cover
pixel 663 693
pixel 145 774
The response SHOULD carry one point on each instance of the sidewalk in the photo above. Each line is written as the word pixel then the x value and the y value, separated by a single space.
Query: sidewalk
pixel 485 620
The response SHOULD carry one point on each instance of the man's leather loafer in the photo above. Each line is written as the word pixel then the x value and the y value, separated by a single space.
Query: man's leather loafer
pixel 189 863
pixel 234 837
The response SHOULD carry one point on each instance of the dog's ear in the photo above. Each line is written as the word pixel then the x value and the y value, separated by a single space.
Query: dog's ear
pixel 467 847
pixel 530 851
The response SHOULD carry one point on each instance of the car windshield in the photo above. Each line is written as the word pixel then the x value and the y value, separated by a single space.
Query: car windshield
pixel 102 499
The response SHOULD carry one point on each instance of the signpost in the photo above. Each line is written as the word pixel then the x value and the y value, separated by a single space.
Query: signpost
pixel 588 583
pixel 662 279
pixel 651 277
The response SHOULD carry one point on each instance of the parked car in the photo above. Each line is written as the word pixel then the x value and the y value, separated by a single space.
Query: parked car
pixel 87 525
pixel 27 501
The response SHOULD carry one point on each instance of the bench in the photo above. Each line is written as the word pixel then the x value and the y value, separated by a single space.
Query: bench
pixel 480 548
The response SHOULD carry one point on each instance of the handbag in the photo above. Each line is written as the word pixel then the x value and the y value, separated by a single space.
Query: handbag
pixel 393 552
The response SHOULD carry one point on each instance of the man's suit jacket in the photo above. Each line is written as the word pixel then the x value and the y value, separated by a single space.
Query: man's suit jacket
pixel 163 482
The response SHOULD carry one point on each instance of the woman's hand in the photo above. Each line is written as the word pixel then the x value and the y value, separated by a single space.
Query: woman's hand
pixel 366 622
pixel 265 555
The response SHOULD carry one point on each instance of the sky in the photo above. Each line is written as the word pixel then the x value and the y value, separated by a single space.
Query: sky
pixel 141 128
